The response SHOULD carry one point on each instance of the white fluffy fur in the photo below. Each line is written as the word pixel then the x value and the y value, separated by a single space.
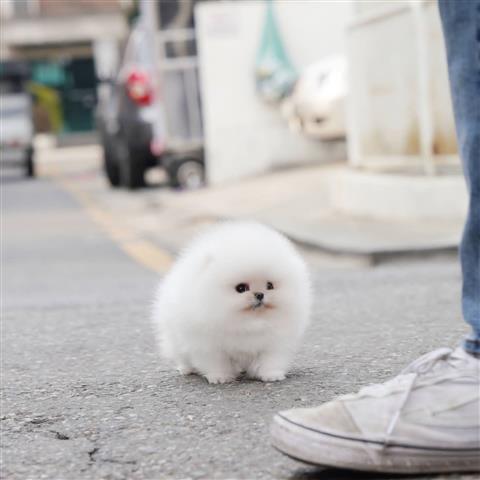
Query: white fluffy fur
pixel 205 326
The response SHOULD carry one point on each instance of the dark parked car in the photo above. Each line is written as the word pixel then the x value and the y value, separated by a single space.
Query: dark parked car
pixel 125 117
pixel 150 113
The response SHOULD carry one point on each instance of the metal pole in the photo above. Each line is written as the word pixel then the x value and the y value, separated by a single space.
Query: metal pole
pixel 149 14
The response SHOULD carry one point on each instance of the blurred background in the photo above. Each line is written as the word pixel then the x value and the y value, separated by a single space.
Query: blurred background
pixel 333 114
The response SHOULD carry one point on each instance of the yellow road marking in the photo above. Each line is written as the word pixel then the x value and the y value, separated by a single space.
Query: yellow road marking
pixel 148 254
pixel 142 251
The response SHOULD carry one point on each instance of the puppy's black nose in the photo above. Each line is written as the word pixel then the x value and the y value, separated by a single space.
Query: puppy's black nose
pixel 259 296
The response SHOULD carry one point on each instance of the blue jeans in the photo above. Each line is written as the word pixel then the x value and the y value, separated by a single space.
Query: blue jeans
pixel 461 28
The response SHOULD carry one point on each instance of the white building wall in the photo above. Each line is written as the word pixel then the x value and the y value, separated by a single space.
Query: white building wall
pixel 244 136
pixel 387 66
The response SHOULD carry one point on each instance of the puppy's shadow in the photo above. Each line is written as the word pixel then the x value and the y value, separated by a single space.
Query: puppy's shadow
pixel 339 474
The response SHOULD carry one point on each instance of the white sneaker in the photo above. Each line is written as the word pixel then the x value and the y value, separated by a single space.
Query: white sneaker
pixel 427 419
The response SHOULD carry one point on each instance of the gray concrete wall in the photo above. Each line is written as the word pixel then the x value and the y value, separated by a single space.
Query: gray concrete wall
pixel 386 95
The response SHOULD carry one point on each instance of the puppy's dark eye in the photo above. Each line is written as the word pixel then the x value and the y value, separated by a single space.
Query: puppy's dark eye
pixel 242 287
pixel 269 286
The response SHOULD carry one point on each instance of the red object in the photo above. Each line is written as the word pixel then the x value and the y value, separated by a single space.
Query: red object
pixel 139 87
pixel 157 147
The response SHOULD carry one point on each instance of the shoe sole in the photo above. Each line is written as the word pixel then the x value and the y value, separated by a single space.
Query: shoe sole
pixel 322 449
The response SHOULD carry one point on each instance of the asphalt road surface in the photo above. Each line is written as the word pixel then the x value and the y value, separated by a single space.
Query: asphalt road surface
pixel 85 395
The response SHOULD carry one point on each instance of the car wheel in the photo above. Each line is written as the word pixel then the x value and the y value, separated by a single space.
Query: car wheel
pixel 110 166
pixel 187 174
pixel 132 170
pixel 30 165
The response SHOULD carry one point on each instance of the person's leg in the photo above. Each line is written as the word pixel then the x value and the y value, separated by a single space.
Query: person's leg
pixel 427 419
pixel 461 26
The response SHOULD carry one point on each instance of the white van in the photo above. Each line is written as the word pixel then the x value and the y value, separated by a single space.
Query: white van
pixel 16 118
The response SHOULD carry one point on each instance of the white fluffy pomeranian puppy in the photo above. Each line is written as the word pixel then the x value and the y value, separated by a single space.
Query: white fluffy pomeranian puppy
pixel 237 300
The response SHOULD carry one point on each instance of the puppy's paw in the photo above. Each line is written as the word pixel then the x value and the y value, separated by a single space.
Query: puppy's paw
pixel 215 378
pixel 271 376
pixel 185 370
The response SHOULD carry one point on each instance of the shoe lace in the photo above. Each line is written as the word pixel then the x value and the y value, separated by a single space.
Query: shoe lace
pixel 426 362
pixel 420 366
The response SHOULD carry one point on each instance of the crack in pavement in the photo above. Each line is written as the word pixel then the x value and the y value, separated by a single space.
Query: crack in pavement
pixel 94 458
pixel 92 453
